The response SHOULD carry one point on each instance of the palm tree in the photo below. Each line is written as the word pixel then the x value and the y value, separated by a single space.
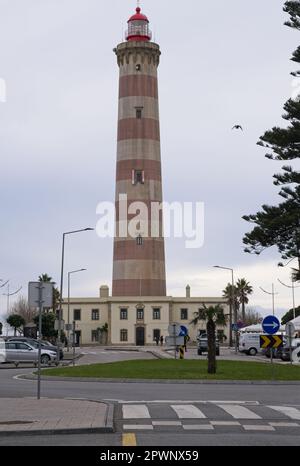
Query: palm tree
pixel 56 295
pixel 45 278
pixel 230 293
pixel 243 289
pixel 213 315
pixel 101 332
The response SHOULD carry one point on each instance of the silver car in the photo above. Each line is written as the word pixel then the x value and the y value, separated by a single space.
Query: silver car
pixel 17 352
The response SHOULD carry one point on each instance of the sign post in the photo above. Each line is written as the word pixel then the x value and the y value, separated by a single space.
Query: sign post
pixel 271 325
pixel 290 331
pixel 40 294
pixel 174 330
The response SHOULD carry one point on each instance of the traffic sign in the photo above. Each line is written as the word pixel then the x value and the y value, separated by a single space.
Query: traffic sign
pixel 183 331
pixel 174 341
pixel 174 330
pixel 271 341
pixel 271 325
pixel 234 327
pixel 290 329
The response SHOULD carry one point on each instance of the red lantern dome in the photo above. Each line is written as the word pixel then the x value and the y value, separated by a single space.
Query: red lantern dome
pixel 138 27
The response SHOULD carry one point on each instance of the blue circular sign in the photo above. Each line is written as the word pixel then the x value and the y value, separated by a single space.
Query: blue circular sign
pixel 183 331
pixel 270 325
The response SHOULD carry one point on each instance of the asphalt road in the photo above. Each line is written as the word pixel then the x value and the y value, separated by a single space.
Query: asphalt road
pixel 149 411
pixel 158 401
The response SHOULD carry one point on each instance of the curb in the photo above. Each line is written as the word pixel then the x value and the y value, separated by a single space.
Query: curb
pixel 163 381
pixel 108 428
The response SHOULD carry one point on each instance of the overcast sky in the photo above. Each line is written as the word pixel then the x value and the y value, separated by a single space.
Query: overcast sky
pixel 222 62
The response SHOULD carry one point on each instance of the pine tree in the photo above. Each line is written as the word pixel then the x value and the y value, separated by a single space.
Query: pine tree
pixel 280 225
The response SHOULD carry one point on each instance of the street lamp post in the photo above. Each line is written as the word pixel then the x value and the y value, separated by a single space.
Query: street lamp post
pixel 8 294
pixel 232 305
pixel 293 294
pixel 69 286
pixel 62 282
pixel 273 297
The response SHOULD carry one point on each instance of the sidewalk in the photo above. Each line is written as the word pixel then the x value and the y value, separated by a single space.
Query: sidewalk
pixel 29 416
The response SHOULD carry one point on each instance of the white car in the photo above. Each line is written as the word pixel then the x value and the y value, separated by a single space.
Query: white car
pixel 16 352
pixel 249 343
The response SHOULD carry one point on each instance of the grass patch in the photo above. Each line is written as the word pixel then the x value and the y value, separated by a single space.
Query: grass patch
pixel 179 369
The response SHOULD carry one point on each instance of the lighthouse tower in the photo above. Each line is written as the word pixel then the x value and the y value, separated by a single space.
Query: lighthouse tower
pixel 139 258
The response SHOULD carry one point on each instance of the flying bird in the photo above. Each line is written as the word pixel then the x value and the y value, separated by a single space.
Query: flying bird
pixel 237 127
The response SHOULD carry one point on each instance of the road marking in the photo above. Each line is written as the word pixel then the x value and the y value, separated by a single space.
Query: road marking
pixel 258 427
pixel 137 427
pixel 284 424
pixel 166 423
pixel 129 440
pixel 198 427
pixel 293 413
pixel 188 412
pixel 239 412
pixel 252 403
pixel 225 423
pixel 135 412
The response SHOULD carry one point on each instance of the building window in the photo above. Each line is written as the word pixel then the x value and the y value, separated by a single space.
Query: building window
pixel 77 314
pixel 123 314
pixel 123 335
pixel 184 314
pixel 139 240
pixel 138 67
pixel 156 335
pixel 139 112
pixel 95 314
pixel 138 177
pixel 140 314
pixel 95 336
pixel 156 313
pixel 220 335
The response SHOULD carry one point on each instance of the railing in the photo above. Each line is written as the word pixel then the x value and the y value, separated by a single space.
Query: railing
pixel 138 31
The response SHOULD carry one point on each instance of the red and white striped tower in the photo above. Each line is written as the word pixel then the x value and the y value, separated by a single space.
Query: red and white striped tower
pixel 139 262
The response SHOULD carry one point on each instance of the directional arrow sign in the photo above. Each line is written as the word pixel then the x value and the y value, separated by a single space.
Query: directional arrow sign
pixel 271 341
pixel 271 325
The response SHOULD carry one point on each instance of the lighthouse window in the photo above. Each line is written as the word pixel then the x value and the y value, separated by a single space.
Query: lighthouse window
pixel 139 113
pixel 138 177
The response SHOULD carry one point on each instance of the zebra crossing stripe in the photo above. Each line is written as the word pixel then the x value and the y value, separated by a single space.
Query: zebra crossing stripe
pixel 258 427
pixel 239 412
pixel 188 412
pixel 292 413
pixel 135 412
pixel 138 427
pixel 198 427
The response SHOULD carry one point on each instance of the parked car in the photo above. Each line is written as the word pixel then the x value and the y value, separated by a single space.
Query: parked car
pixel 202 346
pixel 2 350
pixel 249 343
pixel 285 353
pixel 35 343
pixel 275 351
pixel 19 351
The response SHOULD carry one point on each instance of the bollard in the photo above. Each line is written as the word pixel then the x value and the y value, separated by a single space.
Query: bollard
pixel 181 352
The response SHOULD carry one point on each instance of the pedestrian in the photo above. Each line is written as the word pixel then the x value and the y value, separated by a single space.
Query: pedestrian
pixel 157 340
pixel 161 340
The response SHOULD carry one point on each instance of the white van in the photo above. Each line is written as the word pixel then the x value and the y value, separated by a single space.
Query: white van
pixel 249 343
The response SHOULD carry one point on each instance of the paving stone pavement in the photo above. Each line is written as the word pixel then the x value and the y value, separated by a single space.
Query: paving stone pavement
pixel 29 415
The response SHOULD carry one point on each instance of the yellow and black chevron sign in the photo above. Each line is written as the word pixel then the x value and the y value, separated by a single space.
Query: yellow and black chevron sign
pixel 271 341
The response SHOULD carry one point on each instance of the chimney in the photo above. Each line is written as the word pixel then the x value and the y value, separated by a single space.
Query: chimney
pixel 188 291
pixel 104 291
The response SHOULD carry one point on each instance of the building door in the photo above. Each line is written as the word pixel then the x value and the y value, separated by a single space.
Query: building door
pixel 77 337
pixel 140 336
